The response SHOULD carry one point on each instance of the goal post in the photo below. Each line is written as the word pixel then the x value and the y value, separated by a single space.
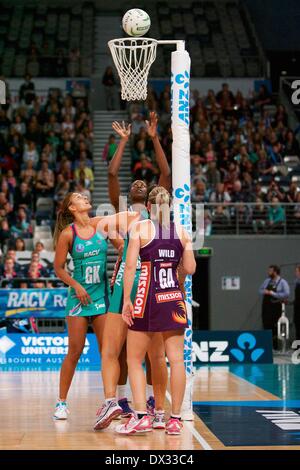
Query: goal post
pixel 133 58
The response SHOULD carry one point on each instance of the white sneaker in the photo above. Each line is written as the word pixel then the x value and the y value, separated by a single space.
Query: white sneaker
pixel 61 410
pixel 159 420
pixel 135 426
pixel 106 414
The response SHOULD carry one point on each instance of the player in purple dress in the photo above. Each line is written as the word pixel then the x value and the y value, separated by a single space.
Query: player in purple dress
pixel 159 306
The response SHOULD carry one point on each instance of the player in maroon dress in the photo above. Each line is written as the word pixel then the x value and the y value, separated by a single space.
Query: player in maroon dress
pixel 159 306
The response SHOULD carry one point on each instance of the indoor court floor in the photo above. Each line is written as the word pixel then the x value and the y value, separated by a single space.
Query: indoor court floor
pixel 235 407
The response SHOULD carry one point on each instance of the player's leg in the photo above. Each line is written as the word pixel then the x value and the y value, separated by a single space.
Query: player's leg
pixel 77 329
pixel 174 344
pixel 157 359
pixel 122 394
pixel 98 322
pixel 138 343
pixel 114 336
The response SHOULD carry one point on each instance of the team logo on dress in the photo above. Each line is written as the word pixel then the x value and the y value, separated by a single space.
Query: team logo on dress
pixel 180 317
pixel 79 248
pixel 142 290
pixel 168 296
pixel 75 310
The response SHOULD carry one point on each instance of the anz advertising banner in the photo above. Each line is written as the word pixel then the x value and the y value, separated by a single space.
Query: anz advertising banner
pixel 46 351
pixel 38 303
pixel 227 347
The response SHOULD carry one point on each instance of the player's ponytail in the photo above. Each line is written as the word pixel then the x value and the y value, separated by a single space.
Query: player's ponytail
pixel 160 200
pixel 64 218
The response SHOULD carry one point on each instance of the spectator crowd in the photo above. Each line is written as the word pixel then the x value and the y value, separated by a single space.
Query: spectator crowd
pixel 238 150
pixel 45 152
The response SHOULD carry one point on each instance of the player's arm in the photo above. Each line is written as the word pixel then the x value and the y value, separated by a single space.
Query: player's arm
pixel 113 169
pixel 62 248
pixel 129 273
pixel 162 162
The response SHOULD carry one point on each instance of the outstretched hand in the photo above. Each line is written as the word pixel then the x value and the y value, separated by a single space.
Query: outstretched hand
pixel 123 130
pixel 151 125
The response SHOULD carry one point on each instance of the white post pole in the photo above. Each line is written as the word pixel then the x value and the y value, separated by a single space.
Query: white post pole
pixel 180 69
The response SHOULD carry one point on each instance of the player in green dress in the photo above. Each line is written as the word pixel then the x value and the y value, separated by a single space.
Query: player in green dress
pixel 88 294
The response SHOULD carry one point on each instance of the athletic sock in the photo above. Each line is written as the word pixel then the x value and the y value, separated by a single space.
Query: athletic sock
pixel 140 414
pixel 121 391
pixel 107 400
pixel 149 389
pixel 159 412
pixel 175 417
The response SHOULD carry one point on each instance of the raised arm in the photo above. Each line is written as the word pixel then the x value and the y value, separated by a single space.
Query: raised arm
pixel 113 169
pixel 162 162
pixel 129 273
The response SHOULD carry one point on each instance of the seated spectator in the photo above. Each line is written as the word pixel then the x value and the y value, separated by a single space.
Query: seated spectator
pixel 281 116
pixel 213 175
pixel 199 194
pixel 27 90
pixel 292 193
pixel 219 194
pixel 21 227
pixel 291 144
pixel 220 217
pixel 52 125
pixel 11 253
pixel 39 247
pixel 34 273
pixel 18 125
pixel 276 215
pixel 8 273
pixel 237 195
pixel 19 244
pixel 36 264
pixel 275 191
pixel 28 175
pixel 259 216
pixel 297 207
pixel 83 172
pixel 264 166
pixel 23 197
pixel 69 125
pixel 68 108
pixel 61 189
pixel 45 181
pixel 30 153
pixel 137 122
pixel 5 234
pixel 11 180
pixel 262 98
pixel 143 170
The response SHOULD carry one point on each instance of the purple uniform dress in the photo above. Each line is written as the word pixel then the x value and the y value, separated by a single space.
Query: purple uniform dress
pixel 159 303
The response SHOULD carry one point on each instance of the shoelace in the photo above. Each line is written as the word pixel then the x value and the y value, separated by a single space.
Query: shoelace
pixel 61 406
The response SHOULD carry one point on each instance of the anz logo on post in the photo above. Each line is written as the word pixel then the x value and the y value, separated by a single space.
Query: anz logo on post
pixel 215 350
pixel 183 80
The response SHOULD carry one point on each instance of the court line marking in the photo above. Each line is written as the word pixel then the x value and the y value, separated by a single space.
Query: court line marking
pixel 195 433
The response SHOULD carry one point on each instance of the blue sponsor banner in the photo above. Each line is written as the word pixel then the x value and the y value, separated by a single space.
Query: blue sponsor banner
pixel 39 303
pixel 44 352
pixel 225 347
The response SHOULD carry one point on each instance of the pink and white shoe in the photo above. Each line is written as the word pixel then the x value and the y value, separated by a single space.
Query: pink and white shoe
pixel 135 426
pixel 174 426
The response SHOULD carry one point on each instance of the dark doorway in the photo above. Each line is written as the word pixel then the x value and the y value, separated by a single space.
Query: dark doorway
pixel 201 294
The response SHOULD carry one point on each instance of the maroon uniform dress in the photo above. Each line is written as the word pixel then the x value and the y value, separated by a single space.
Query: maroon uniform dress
pixel 159 303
